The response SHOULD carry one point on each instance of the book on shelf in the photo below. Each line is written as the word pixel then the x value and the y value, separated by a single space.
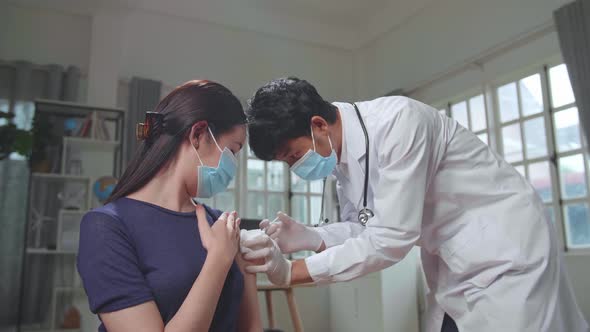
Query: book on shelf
pixel 101 131
pixel 84 130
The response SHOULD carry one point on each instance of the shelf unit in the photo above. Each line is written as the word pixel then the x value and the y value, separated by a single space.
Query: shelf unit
pixel 79 145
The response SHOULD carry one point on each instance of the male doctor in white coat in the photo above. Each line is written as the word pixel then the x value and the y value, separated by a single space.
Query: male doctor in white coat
pixel 490 254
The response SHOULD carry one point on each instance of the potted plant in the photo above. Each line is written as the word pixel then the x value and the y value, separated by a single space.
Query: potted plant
pixel 13 139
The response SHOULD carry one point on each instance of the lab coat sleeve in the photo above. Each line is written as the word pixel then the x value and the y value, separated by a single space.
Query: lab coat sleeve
pixel 405 164
pixel 336 233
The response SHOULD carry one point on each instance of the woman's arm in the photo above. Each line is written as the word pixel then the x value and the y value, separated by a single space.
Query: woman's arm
pixel 197 310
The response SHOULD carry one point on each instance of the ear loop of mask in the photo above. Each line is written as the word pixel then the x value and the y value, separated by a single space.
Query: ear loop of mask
pixel 313 140
pixel 215 141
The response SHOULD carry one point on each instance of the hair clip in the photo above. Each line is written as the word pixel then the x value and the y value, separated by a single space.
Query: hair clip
pixel 145 130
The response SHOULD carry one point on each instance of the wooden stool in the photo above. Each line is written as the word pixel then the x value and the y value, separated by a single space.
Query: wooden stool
pixel 268 289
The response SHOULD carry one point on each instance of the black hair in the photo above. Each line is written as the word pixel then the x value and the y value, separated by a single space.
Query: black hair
pixel 281 110
pixel 186 105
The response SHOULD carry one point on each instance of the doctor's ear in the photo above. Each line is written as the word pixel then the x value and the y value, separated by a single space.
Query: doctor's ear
pixel 319 124
pixel 198 132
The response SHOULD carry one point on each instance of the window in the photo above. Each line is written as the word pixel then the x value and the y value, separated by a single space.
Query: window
pixel 471 114
pixel 266 187
pixel 258 191
pixel 306 200
pixel 23 118
pixel 538 132
pixel 4 106
pixel 262 188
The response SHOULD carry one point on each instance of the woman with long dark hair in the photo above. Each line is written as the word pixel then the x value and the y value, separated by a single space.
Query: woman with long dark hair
pixel 145 262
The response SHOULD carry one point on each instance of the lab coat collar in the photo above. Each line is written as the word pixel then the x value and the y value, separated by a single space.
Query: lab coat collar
pixel 351 176
pixel 352 131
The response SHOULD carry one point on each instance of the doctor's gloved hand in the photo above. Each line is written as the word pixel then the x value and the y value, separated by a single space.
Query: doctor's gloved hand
pixel 276 266
pixel 290 235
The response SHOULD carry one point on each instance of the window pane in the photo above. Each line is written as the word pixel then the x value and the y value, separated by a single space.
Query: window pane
pixel 577 225
pixel 316 186
pixel 315 203
pixel 459 113
pixel 255 208
pixel 298 185
pixel 478 113
pixel 275 176
pixel 520 169
pixel 255 174
pixel 561 88
pixel 536 140
pixel 540 178
pixel 4 109
pixel 299 208
pixel 531 95
pixel 276 203
pixel 573 177
pixel 23 114
pixel 225 201
pixel 508 102
pixel 512 143
pixel 483 137
pixel 567 129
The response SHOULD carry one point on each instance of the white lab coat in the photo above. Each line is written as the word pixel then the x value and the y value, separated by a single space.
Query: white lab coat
pixel 490 254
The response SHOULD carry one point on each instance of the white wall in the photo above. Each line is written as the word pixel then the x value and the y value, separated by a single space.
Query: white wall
pixel 175 50
pixel 530 56
pixel 444 34
pixel 44 36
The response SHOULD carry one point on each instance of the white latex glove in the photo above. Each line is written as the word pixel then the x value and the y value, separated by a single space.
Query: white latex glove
pixel 276 266
pixel 290 235
pixel 248 236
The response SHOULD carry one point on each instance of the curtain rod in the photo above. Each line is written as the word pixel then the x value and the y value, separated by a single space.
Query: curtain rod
pixel 486 56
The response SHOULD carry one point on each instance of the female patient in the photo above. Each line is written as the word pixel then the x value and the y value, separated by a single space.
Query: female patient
pixel 148 260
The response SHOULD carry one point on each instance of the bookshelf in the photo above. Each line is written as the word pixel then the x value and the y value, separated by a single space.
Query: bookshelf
pixel 74 145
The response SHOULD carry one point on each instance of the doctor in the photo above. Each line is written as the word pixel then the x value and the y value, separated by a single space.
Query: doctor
pixel 408 176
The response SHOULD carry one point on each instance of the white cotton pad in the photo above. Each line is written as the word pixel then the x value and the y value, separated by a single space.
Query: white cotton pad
pixel 250 235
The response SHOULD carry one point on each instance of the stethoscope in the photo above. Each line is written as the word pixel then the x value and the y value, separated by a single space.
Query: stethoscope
pixel 365 213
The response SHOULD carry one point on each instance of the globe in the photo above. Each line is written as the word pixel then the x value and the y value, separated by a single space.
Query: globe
pixel 103 187
pixel 71 124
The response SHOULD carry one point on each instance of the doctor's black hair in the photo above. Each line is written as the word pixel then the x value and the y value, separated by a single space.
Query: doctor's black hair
pixel 187 104
pixel 281 110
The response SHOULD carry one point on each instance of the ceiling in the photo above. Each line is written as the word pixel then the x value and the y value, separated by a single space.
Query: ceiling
pixel 347 24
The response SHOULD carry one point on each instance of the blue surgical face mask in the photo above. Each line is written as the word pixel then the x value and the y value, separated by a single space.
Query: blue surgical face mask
pixel 314 166
pixel 214 180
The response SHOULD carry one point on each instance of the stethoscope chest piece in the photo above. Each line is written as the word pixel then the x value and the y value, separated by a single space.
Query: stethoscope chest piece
pixel 364 215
